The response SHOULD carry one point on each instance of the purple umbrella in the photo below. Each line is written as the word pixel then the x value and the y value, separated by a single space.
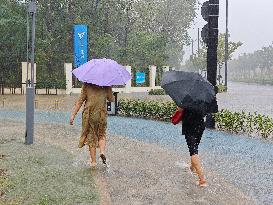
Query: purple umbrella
pixel 102 72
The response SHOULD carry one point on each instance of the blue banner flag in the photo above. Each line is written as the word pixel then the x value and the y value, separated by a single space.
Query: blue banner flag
pixel 80 45
pixel 140 77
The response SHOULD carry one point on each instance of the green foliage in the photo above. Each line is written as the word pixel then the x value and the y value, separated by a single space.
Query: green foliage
pixel 235 122
pixel 256 67
pixel 241 122
pixel 138 33
pixel 232 47
pixel 12 40
pixel 157 92
pixel 146 49
pixel 147 109
pixel 221 88
pixel 58 84
pixel 199 60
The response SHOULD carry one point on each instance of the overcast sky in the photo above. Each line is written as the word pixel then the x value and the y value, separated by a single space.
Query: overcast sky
pixel 250 21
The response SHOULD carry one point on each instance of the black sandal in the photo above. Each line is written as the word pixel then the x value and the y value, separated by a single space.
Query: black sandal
pixel 103 158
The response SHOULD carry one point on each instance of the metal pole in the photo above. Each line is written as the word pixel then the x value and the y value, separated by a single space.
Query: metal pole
pixel 192 48
pixel 33 48
pixel 226 45
pixel 30 90
pixel 212 64
pixel 198 40
pixel 27 48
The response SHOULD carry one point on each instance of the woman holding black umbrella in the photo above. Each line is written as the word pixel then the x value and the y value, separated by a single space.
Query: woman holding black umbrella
pixel 193 127
pixel 193 95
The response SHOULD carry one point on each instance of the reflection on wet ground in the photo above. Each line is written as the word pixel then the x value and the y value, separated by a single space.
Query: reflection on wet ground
pixel 245 162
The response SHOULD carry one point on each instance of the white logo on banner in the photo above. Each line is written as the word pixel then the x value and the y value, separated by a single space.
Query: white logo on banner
pixel 81 35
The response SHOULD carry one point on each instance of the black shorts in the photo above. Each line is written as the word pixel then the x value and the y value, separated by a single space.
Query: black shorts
pixel 193 127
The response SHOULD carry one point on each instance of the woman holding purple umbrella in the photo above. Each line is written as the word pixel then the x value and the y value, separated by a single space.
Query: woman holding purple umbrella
pixel 98 77
pixel 94 118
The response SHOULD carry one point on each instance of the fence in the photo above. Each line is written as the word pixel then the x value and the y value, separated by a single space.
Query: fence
pixel 6 88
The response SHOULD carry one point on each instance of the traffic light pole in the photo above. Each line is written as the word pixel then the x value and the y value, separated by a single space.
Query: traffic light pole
pixel 226 46
pixel 211 76
pixel 30 87
pixel 210 13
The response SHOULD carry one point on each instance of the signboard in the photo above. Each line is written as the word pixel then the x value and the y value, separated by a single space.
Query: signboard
pixel 140 77
pixel 80 45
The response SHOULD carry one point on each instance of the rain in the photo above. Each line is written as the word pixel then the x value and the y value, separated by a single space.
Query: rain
pixel 148 157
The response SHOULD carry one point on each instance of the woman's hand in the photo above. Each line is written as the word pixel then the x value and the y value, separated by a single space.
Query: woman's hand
pixel 72 117
pixel 179 109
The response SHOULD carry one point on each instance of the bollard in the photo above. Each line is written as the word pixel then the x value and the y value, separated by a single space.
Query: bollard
pixel 56 104
pixel 3 102
pixel 35 104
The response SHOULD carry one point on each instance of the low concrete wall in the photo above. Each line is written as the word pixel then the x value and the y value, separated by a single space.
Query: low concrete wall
pixel 8 91
pixel 124 90
pixel 50 91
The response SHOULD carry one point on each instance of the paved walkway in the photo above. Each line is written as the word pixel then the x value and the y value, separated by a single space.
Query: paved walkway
pixel 248 97
pixel 240 96
pixel 139 173
pixel 244 162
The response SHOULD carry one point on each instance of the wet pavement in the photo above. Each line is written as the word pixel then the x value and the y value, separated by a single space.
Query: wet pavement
pixel 247 97
pixel 138 172
pixel 240 97
pixel 243 161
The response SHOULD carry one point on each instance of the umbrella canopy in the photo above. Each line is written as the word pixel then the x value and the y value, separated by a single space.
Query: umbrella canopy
pixel 188 90
pixel 102 72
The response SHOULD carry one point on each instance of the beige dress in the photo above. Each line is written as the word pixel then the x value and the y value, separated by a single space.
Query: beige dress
pixel 94 115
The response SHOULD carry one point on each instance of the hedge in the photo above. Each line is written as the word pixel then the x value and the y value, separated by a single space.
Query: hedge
pixel 242 122
pixel 235 122
pixel 157 92
pixel 147 109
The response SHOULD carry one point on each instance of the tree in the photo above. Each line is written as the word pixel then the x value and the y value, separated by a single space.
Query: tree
pixel 254 67
pixel 136 32
pixel 12 40
pixel 199 60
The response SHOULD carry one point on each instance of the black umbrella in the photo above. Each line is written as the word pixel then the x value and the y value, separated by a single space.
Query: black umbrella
pixel 189 90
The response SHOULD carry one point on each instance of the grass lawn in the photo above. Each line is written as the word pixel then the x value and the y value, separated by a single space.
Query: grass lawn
pixel 42 174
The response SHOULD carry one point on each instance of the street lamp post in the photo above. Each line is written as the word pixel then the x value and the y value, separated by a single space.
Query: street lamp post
pixel 226 45
pixel 32 8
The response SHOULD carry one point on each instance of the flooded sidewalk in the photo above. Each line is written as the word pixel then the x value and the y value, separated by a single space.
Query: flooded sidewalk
pixel 243 161
pixel 139 173
pixel 247 97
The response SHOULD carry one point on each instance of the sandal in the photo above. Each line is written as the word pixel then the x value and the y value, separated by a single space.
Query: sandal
pixel 103 158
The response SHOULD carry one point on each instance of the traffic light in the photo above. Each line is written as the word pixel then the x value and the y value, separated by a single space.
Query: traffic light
pixel 210 13
pixel 209 34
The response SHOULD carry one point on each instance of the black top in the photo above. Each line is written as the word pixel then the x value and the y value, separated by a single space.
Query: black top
pixel 192 123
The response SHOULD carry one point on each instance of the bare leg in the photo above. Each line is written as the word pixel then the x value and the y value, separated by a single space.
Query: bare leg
pixel 196 165
pixel 92 151
pixel 102 144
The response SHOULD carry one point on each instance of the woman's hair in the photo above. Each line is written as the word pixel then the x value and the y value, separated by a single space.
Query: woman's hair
pixel 91 84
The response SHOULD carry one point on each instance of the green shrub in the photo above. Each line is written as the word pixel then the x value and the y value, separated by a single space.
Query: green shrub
pixel 57 84
pixel 235 122
pixel 147 109
pixel 242 122
pixel 157 92
pixel 221 88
